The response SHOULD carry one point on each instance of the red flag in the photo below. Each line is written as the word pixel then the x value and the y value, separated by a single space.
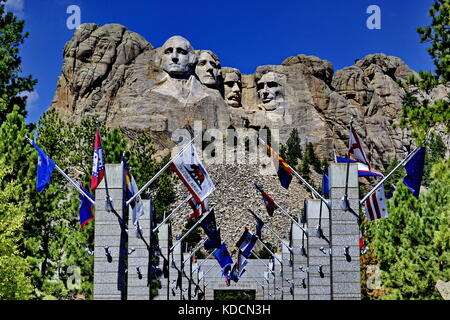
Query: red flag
pixel 198 208
pixel 268 201
pixel 355 148
pixel 376 205
pixel 98 162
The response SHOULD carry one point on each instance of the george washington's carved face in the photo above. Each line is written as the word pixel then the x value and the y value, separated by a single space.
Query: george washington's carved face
pixel 177 56
pixel 207 69
pixel 270 90
pixel 232 89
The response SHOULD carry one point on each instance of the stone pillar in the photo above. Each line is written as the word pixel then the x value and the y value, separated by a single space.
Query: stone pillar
pixel 278 270
pixel 163 241
pixel 287 278
pixel 344 232
pixel 137 284
pixel 319 287
pixel 175 265
pixel 300 293
pixel 108 233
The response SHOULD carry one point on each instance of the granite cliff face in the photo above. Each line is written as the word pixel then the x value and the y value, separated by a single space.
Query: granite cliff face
pixel 118 75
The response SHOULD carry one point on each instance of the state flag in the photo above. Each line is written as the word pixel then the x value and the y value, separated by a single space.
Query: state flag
pixel 268 201
pixel 375 205
pixel 414 172
pixel 198 208
pixel 131 189
pixel 259 223
pixel 363 169
pixel 98 162
pixel 284 172
pixel 45 168
pixel 246 242
pixel 194 176
pixel 86 207
pixel 209 225
pixel 355 148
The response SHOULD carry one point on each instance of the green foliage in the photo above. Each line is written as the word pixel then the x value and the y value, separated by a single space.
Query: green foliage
pixel 412 245
pixel 12 85
pixel 14 283
pixel 423 117
pixel 437 34
pixel 234 294
pixel 293 149
pixel 435 153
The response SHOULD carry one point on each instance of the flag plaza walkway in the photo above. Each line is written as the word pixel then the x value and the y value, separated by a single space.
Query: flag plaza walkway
pixel 313 266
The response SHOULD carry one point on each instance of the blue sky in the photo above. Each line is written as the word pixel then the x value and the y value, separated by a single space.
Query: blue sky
pixel 244 34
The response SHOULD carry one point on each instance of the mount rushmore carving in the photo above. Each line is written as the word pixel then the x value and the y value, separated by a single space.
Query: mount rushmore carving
pixel 118 75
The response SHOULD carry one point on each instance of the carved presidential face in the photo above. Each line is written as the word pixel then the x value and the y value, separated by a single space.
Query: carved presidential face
pixel 207 69
pixel 177 56
pixel 270 90
pixel 232 89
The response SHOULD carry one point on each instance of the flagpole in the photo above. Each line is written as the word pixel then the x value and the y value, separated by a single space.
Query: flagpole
pixel 108 197
pixel 190 230
pixel 407 158
pixel 290 217
pixel 196 249
pixel 314 191
pixel 276 235
pixel 348 162
pixel 173 211
pixel 76 185
pixel 159 172
pixel 255 255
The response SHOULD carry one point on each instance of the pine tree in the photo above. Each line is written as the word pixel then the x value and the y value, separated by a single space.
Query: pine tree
pixel 412 245
pixel 437 35
pixel 14 283
pixel 12 84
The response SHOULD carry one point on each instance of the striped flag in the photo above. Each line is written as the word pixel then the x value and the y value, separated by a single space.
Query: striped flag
pixel 355 148
pixel 376 205
pixel 198 208
pixel 363 169
pixel 283 170
pixel 130 190
pixel 268 201
pixel 98 162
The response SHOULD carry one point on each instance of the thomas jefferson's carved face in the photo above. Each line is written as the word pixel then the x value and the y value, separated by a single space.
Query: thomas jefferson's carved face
pixel 232 89
pixel 207 69
pixel 270 90
pixel 177 56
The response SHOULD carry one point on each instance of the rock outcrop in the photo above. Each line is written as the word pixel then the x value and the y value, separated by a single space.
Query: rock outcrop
pixel 118 75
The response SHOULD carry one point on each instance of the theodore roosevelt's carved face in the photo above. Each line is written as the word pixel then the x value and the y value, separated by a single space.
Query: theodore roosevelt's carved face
pixel 208 68
pixel 270 90
pixel 177 56
pixel 232 89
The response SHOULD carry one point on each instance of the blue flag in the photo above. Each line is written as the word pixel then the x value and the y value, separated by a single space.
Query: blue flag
pixel 209 226
pixel 86 208
pixel 45 169
pixel 414 172
pixel 223 256
pixel 325 185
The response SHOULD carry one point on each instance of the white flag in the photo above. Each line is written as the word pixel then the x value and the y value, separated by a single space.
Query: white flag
pixel 355 148
pixel 137 205
pixel 194 176
pixel 376 205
